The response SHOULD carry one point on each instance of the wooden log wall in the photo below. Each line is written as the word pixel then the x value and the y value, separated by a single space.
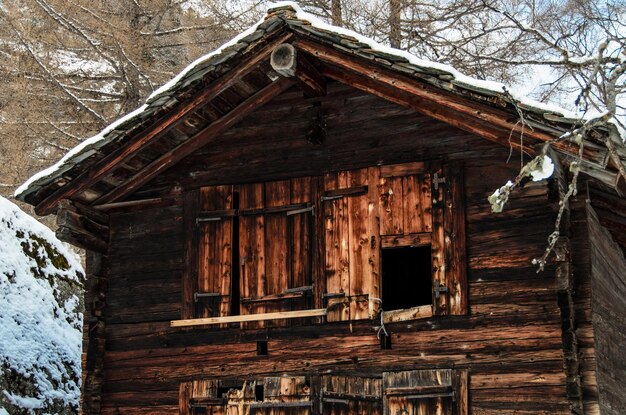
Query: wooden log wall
pixel 510 342
pixel 608 268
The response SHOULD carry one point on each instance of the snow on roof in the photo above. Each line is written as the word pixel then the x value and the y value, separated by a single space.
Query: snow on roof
pixel 40 322
pixel 313 25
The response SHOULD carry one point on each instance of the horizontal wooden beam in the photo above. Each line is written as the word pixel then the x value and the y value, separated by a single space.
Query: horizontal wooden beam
pixel 196 142
pixel 159 127
pixel 81 239
pixel 249 317
pixel 427 99
pixel 82 226
pixel 140 203
pixel 401 241
pixel 423 311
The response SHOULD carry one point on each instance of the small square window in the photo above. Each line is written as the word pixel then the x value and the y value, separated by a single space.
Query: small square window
pixel 406 277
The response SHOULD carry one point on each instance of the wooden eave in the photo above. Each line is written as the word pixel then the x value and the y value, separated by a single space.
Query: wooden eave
pixel 192 117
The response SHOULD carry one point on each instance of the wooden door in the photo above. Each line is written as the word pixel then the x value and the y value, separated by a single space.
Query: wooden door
pixel 346 395
pixel 283 395
pixel 419 392
pixel 200 397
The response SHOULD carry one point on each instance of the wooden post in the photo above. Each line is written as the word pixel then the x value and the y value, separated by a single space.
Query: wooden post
pixel 96 288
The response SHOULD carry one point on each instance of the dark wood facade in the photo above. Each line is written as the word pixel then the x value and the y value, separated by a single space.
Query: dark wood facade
pixel 510 341
pixel 283 198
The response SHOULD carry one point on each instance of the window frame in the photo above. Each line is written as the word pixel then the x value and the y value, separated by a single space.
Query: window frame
pixel 447 238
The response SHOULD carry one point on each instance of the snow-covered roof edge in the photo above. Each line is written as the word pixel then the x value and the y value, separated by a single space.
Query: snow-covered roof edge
pixel 90 145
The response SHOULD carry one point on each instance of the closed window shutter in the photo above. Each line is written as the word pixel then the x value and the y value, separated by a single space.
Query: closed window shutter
pixel 201 397
pixel 284 395
pixel 215 253
pixel 352 239
pixel 425 392
pixel 342 395
pixel 275 246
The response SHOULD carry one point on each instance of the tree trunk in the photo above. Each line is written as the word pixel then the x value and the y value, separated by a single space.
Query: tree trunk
pixel 395 32
pixel 336 12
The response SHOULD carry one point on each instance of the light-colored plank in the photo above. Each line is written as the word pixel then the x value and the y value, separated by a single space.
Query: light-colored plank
pixel 249 317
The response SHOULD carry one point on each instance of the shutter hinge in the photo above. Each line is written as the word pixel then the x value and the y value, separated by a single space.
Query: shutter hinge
pixel 439 288
pixel 198 296
pixel 438 180
pixel 299 211
pixel 215 219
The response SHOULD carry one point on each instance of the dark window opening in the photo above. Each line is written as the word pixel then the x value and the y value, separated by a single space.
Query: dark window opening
pixel 222 391
pixel 406 277
pixel 235 294
pixel 385 341
pixel 259 394
pixel 261 348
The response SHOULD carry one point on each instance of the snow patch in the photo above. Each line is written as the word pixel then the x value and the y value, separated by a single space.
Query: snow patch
pixel 40 321
pixel 543 169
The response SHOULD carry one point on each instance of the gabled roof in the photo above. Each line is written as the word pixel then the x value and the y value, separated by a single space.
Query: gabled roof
pixel 233 80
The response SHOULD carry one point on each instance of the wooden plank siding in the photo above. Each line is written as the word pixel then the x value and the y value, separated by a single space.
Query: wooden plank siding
pixel 509 342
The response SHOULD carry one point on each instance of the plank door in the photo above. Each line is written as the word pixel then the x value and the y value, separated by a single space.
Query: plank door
pixel 352 239
pixel 345 395
pixel 284 395
pixel 214 252
pixel 425 392
pixel 200 397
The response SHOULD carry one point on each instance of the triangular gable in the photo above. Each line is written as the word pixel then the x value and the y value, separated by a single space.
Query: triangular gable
pixel 483 108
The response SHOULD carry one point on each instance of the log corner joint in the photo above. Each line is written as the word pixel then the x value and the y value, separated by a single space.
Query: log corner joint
pixel 287 62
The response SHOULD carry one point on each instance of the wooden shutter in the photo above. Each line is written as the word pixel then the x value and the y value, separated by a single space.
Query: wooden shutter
pixel 346 395
pixel 352 239
pixel 448 241
pixel 455 245
pixel 201 397
pixel 214 252
pixel 423 203
pixel 283 395
pixel 275 247
pixel 210 397
pixel 405 199
pixel 425 392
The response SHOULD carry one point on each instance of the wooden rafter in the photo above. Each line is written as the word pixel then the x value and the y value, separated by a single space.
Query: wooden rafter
pixel 425 106
pixel 159 127
pixel 196 142
pixel 439 104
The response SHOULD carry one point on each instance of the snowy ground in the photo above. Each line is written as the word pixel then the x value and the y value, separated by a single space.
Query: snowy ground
pixel 40 318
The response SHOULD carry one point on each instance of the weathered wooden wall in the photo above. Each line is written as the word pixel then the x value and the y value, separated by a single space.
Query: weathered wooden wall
pixel 511 341
pixel 608 271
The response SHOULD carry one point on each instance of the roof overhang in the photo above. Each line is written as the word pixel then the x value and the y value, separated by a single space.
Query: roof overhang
pixel 221 88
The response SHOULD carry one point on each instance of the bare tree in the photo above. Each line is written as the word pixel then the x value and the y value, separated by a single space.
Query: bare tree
pixel 71 67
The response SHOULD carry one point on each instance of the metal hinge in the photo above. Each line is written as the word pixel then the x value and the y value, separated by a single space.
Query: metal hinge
pixel 298 211
pixel 326 198
pixel 198 296
pixel 199 220
pixel 438 180
pixel 439 288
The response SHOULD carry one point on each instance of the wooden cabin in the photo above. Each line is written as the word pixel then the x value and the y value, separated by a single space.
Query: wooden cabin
pixel 298 224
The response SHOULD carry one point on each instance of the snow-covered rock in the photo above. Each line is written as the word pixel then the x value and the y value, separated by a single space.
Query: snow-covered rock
pixel 40 318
